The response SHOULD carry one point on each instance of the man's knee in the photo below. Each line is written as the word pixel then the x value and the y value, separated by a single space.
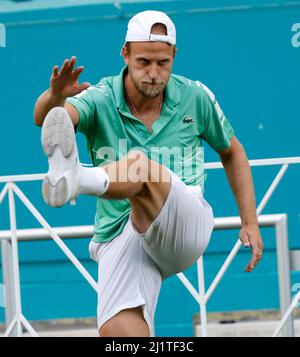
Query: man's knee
pixel 127 323
pixel 145 170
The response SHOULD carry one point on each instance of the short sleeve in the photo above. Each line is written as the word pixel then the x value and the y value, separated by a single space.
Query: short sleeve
pixel 217 130
pixel 85 106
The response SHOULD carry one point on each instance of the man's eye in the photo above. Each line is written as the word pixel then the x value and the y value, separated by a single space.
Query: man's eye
pixel 163 62
pixel 144 62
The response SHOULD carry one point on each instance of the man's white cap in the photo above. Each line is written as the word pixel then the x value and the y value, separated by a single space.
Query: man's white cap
pixel 139 27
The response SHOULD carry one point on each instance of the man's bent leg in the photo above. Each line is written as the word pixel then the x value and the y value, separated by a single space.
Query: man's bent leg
pixel 144 182
pixel 127 323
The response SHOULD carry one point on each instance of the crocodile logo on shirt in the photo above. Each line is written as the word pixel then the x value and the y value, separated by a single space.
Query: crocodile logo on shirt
pixel 188 119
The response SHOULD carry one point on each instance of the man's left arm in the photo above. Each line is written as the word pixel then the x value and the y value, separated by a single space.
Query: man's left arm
pixel 238 172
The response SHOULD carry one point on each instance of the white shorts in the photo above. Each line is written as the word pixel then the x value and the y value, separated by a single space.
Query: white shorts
pixel 132 266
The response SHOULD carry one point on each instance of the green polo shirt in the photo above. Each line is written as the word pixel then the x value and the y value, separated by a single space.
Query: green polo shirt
pixel 190 113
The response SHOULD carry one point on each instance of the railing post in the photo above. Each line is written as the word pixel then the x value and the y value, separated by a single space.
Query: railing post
pixel 283 266
pixel 8 276
pixel 15 260
pixel 201 288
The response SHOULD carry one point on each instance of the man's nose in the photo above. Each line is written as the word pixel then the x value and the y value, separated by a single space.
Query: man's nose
pixel 153 74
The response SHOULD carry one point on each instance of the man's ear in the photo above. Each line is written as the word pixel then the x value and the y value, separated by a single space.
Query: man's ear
pixel 174 51
pixel 124 54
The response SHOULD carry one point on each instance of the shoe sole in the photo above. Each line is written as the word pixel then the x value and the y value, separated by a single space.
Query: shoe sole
pixel 57 134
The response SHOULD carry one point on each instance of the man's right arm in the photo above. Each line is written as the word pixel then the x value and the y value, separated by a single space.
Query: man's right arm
pixel 46 102
pixel 63 84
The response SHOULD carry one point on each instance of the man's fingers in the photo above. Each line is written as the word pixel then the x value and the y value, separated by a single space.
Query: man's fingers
pixel 64 67
pixel 77 72
pixel 71 64
pixel 250 237
pixel 82 87
pixel 68 66
pixel 55 71
pixel 70 77
pixel 244 239
pixel 256 257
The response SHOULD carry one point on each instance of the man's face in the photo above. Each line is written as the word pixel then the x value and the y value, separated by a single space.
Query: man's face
pixel 149 66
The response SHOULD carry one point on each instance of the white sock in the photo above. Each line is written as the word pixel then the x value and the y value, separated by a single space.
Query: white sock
pixel 93 181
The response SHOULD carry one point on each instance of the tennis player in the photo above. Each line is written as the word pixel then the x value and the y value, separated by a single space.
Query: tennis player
pixel 144 130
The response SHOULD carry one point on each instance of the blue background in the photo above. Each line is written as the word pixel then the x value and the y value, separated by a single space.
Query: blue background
pixel 241 50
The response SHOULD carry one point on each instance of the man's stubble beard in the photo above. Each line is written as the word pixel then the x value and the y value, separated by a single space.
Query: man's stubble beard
pixel 147 91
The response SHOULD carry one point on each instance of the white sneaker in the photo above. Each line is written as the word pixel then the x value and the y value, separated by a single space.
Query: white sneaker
pixel 60 184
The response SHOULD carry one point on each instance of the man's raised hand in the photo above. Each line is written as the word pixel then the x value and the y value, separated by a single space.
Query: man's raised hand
pixel 64 83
